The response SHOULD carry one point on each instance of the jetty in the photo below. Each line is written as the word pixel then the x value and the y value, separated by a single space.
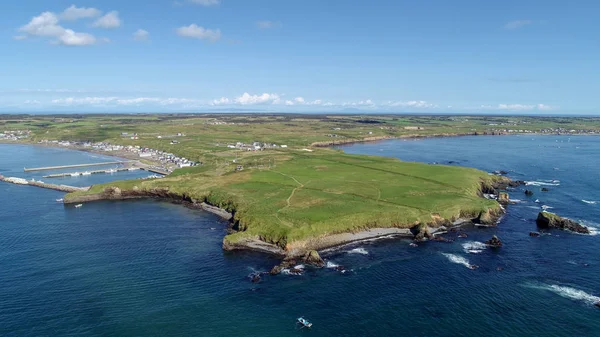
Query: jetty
pixel 62 188
pixel 48 168
pixel 75 174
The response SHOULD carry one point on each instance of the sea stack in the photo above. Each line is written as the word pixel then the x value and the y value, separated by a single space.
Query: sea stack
pixel 551 220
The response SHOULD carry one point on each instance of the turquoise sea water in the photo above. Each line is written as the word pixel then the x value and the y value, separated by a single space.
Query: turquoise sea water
pixel 148 268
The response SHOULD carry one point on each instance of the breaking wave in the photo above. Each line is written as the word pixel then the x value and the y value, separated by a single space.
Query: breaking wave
pixel 546 207
pixel 474 247
pixel 331 265
pixel 358 251
pixel 543 183
pixel 589 202
pixel 457 259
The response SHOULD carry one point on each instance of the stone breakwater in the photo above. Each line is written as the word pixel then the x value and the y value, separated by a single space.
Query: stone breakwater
pixel 61 188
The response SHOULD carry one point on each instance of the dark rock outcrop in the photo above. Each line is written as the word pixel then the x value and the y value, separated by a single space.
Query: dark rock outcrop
pixel 551 220
pixel 597 304
pixel 528 193
pixel 285 264
pixel 503 198
pixel 421 232
pixel 494 242
pixel 545 189
pixel 534 234
pixel 312 257
pixel 486 218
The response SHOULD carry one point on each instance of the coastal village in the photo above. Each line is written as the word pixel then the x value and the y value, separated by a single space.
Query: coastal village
pixel 167 161
pixel 15 135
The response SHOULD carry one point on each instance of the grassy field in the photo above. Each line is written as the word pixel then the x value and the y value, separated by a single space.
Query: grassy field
pixel 289 195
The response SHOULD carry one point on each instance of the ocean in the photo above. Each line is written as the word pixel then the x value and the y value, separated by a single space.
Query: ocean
pixel 150 268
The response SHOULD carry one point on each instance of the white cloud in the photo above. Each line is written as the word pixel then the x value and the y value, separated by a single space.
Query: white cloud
pixel 221 101
pixel 519 107
pixel 75 101
pixel 512 25
pixel 265 98
pixel 74 13
pixel 109 21
pixel 299 100
pixel 412 104
pixel 71 38
pixel 196 32
pixel 268 24
pixel 141 35
pixel 288 102
pixel 46 25
pixel 206 2
pixel 20 37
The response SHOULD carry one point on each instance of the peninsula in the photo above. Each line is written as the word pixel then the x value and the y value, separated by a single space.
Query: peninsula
pixel 276 177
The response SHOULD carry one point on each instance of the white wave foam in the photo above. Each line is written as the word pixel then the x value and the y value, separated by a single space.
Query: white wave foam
pixel 543 183
pixel 457 259
pixel 572 293
pixel 474 247
pixel 358 251
pixel 331 265
pixel 589 202
pixel 515 200
pixel 546 207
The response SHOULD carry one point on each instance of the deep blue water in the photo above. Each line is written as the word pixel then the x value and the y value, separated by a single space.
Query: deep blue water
pixel 147 268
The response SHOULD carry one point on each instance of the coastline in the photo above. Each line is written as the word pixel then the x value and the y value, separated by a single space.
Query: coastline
pixel 295 249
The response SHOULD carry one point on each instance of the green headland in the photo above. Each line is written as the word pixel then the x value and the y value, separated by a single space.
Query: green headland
pixel 292 194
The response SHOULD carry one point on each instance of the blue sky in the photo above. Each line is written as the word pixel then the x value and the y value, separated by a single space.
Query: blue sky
pixel 464 56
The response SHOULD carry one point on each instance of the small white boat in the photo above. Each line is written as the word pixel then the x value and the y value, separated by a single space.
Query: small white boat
pixel 60 200
pixel 78 205
pixel 303 322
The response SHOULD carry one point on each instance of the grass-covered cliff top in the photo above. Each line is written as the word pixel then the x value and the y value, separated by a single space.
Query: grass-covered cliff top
pixel 290 196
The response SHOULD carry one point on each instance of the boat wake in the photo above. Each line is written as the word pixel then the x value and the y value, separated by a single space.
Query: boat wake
pixel 571 293
pixel 358 251
pixel 474 247
pixel 458 259
pixel 589 202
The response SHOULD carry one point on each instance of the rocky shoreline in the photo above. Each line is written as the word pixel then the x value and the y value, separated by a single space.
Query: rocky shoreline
pixel 297 249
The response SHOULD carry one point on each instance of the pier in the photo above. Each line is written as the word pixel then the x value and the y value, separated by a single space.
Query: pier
pixel 75 174
pixel 62 188
pixel 74 166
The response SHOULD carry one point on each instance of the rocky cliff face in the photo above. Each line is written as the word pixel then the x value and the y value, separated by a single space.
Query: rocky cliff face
pixel 551 220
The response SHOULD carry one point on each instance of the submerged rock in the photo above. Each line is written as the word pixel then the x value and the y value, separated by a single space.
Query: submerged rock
pixel 544 189
pixel 494 242
pixel 551 220
pixel 597 304
pixel 463 235
pixel 528 192
pixel 534 234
